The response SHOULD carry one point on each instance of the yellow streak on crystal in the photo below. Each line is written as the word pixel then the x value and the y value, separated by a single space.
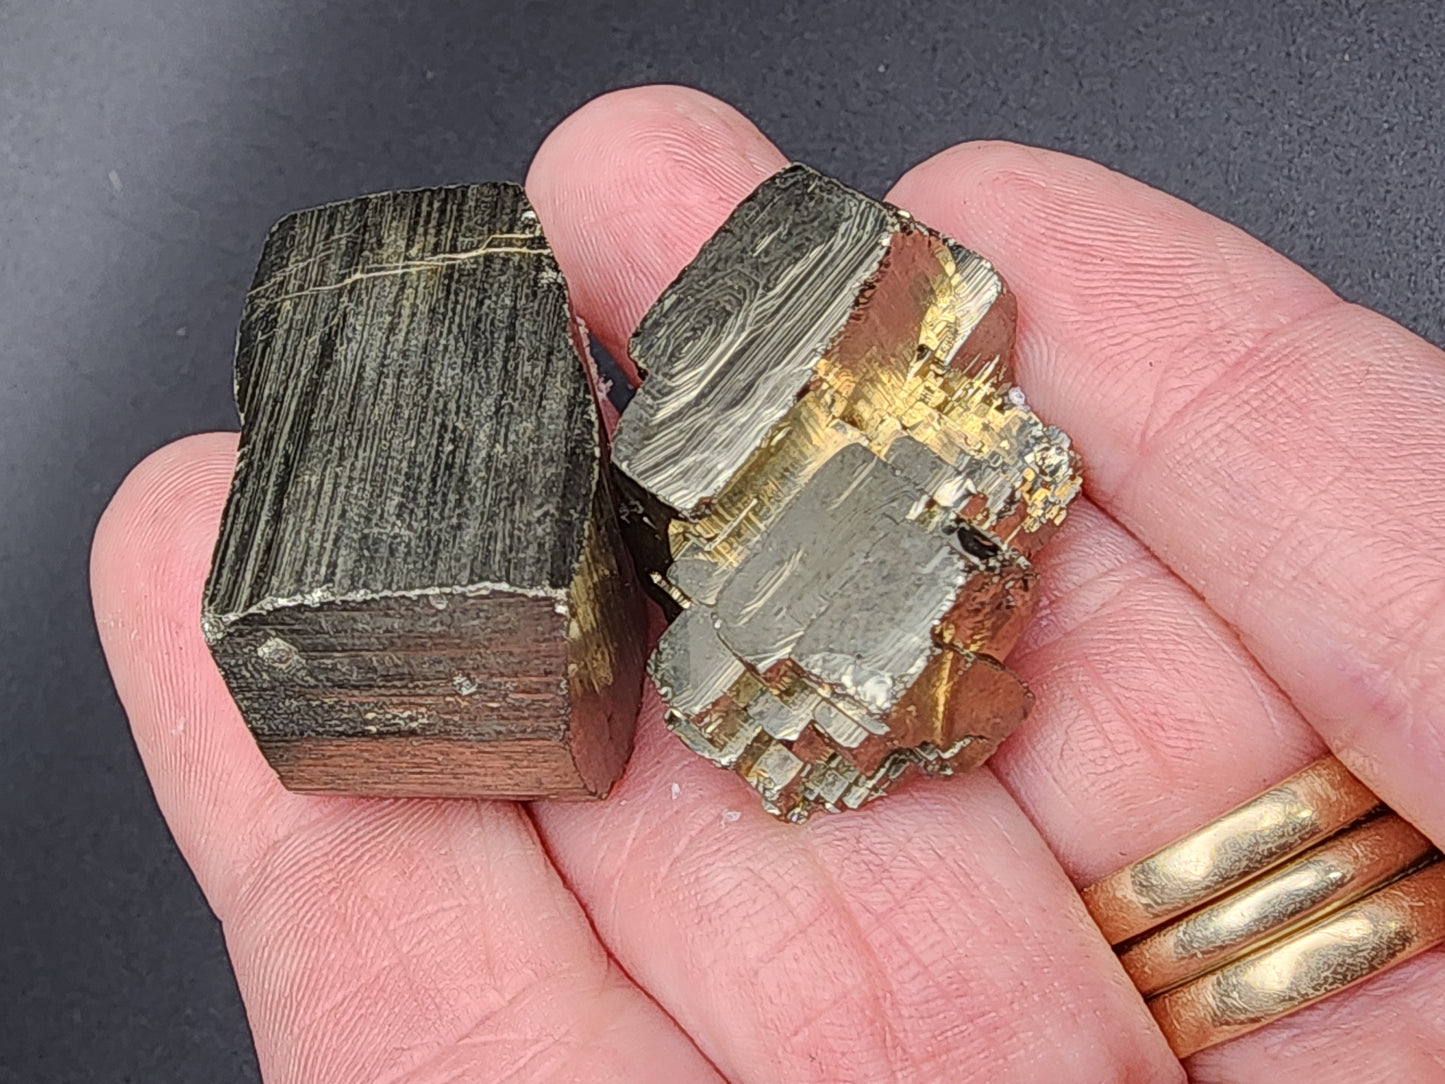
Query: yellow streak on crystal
pixel 900 386
pixel 957 412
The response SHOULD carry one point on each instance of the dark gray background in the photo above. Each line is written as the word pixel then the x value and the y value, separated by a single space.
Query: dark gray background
pixel 145 147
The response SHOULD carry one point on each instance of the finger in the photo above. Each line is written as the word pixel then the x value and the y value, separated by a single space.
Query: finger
pixel 929 937
pixel 1275 446
pixel 1152 718
pixel 371 939
pixel 1388 1029
pixel 1151 721
pixel 622 242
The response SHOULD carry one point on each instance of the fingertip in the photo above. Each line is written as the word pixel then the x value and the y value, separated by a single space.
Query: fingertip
pixel 154 539
pixel 149 561
pixel 1015 204
pixel 180 485
pixel 629 187
pixel 961 169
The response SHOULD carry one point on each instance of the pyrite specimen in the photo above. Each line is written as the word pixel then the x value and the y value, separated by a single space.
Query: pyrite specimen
pixel 831 481
pixel 419 587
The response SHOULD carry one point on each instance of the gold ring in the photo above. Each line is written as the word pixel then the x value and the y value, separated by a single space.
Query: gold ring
pixel 1385 928
pixel 1327 876
pixel 1254 837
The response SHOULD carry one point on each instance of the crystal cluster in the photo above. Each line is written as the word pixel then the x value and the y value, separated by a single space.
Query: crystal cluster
pixel 831 482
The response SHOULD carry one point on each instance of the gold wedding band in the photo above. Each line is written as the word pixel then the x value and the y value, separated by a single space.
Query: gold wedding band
pixel 1302 892
pixel 1302 810
pixel 1328 875
pixel 1383 929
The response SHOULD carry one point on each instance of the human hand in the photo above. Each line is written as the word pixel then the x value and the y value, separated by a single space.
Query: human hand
pixel 1255 572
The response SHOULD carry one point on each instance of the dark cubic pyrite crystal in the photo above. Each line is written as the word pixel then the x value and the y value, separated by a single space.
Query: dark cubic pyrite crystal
pixel 831 481
pixel 419 587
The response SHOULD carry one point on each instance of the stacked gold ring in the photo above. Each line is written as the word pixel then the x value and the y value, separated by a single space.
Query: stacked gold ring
pixel 1297 894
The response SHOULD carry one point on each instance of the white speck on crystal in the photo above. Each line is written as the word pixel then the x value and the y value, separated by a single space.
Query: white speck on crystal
pixel 278 653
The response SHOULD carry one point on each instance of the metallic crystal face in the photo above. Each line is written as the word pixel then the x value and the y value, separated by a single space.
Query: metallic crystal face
pixel 419 587
pixel 830 478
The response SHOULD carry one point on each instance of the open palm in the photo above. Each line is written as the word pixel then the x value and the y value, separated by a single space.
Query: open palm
pixel 1256 572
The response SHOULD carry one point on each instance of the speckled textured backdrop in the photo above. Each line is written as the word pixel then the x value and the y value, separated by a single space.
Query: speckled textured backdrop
pixel 146 146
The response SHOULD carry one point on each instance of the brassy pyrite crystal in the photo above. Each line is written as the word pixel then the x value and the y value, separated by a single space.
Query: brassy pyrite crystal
pixel 831 481
pixel 419 587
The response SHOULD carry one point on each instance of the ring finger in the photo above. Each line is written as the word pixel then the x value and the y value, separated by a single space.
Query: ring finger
pixel 1154 718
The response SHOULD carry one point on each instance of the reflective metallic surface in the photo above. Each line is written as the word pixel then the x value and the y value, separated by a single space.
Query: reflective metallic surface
pixel 1295 895
pixel 419 588
pixel 1383 929
pixel 1324 878
pixel 829 477
pixel 1255 837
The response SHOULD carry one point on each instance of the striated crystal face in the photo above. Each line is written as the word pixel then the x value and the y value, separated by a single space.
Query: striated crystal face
pixel 829 477
pixel 419 589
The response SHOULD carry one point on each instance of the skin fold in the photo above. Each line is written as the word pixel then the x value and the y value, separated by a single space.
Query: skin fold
pixel 1253 577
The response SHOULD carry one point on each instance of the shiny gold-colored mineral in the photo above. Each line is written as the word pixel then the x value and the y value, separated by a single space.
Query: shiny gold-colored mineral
pixel 831 481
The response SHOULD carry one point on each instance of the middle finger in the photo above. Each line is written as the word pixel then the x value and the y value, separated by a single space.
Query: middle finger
pixel 929 937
